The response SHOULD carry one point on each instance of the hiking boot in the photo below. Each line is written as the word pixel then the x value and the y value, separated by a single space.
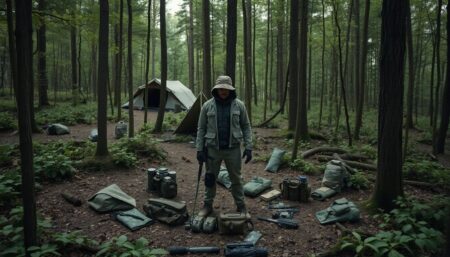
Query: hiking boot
pixel 205 211
pixel 243 209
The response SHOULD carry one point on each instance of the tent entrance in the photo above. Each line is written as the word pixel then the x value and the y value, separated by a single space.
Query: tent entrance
pixel 153 98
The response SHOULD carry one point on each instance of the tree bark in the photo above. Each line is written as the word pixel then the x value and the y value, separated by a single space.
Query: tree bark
pixel 147 60
pixel 230 68
pixel 267 61
pixel 438 78
pixel 293 61
pixel 359 92
pixel 42 58
pixel 206 49
pixel 73 59
pixel 409 99
pixel 163 94
pixel 11 45
pixel 246 6
pixel 191 45
pixel 280 54
pixel 130 71
pixel 445 109
pixel 389 177
pixel 252 26
pixel 103 46
pixel 322 85
pixel 23 33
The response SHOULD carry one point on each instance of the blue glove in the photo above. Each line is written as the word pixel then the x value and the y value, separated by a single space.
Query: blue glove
pixel 248 154
pixel 201 157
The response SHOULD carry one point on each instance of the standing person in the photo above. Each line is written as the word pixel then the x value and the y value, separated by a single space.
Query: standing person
pixel 222 126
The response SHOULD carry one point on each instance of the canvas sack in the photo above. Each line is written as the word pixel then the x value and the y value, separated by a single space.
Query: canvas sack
pixel 169 212
pixel 234 223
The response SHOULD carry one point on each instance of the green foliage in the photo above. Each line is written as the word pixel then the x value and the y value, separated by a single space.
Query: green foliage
pixel 7 121
pixel 120 246
pixel 53 166
pixel 304 166
pixel 72 240
pixel 172 120
pixel 410 231
pixel 418 168
pixel 359 181
pixel 7 105
pixel 6 155
pixel 10 183
pixel 122 157
pixel 67 114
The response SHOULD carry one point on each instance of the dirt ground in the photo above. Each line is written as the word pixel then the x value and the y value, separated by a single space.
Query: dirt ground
pixel 311 237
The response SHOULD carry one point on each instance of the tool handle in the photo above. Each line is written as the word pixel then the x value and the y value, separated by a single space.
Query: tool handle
pixel 287 223
pixel 179 250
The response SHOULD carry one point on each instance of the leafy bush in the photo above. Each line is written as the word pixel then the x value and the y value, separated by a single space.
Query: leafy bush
pixel 7 121
pixel 359 181
pixel 410 231
pixel 419 169
pixel 304 166
pixel 6 154
pixel 53 166
pixel 10 183
pixel 67 114
pixel 121 246
pixel 123 158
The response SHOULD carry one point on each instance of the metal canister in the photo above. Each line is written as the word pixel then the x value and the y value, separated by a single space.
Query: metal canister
pixel 173 175
pixel 293 190
pixel 304 189
pixel 168 188
pixel 163 171
pixel 157 183
pixel 151 172
pixel 284 189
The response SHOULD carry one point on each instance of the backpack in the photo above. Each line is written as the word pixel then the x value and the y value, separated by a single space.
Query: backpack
pixel 335 176
pixel 166 211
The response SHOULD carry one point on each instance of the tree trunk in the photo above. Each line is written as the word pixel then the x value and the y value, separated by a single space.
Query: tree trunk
pixel 267 61
pixel 293 63
pixel 42 59
pixel 409 99
pixel 343 70
pixel 445 109
pixel 24 63
pixel 252 28
pixel 359 96
pixel 94 79
pixel 309 93
pixel 301 128
pixel 206 49
pixel 73 51
pixel 147 61
pixel 230 68
pixel 155 13
pixel 12 45
pixel 191 45
pixel 162 92
pixel 322 85
pixel 103 41
pixel 118 59
pixel 130 71
pixel 280 53
pixel 390 118
pixel 438 78
pixel 246 6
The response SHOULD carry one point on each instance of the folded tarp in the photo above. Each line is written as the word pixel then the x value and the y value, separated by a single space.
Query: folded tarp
pixel 341 210
pixel 256 186
pixel 322 193
pixel 132 219
pixel 111 198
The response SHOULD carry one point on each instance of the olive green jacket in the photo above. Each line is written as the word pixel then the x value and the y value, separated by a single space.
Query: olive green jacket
pixel 240 129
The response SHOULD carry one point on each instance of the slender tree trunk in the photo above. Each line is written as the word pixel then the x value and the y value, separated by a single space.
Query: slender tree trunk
pixel 117 58
pixel 431 103
pixel 94 80
pixel 271 84
pixel 191 45
pixel 206 49
pixel 293 61
pixel 24 63
pixel 163 93
pixel 359 94
pixel 12 45
pixel 280 53
pixel 322 85
pixel 390 118
pixel 246 6
pixel 267 61
pixel 73 50
pixel 147 60
pixel 309 92
pixel 252 29
pixel 155 13
pixel 230 63
pixel 342 71
pixel 103 43
pixel 439 144
pixel 409 99
pixel 42 59
pixel 301 128
pixel 130 71
pixel 438 78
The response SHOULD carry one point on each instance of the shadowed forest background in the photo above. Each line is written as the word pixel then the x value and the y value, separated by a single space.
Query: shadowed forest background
pixel 367 80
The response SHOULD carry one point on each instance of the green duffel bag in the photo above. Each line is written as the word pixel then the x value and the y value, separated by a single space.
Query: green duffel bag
pixel 224 178
pixel 132 219
pixel 322 193
pixel 256 186
pixel 335 176
pixel 170 212
pixel 234 223
pixel 342 210
pixel 111 198
pixel 275 160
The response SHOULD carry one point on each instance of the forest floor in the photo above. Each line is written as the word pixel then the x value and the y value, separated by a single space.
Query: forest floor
pixel 310 238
